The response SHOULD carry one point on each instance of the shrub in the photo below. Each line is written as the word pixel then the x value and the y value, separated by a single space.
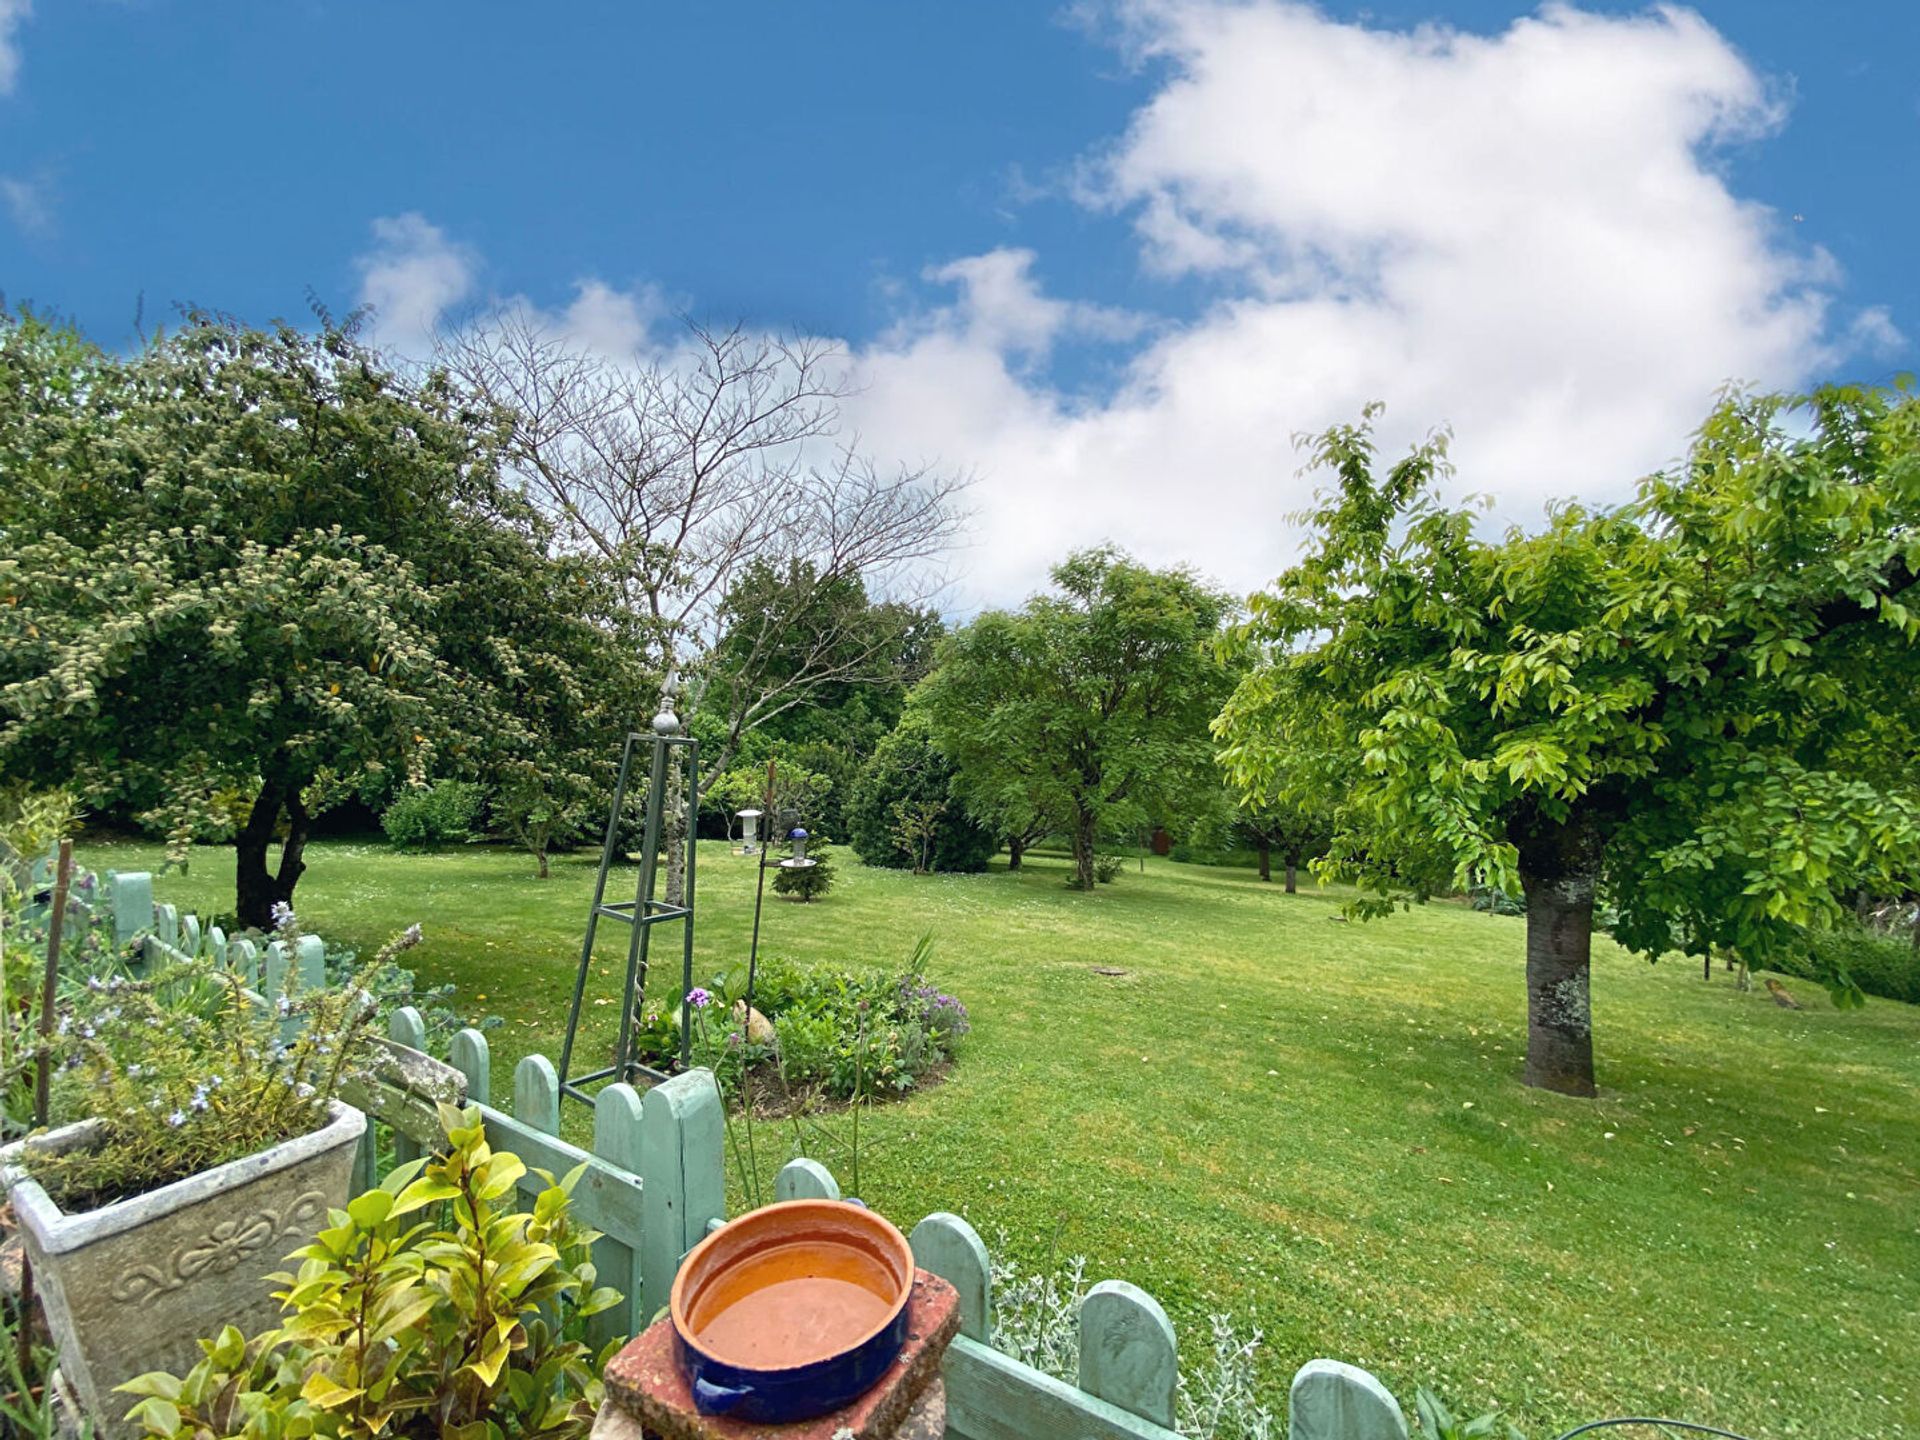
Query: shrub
pixel 1107 867
pixel 808 883
pixel 903 815
pixel 1883 965
pixel 444 814
pixel 1495 901
pixel 468 1324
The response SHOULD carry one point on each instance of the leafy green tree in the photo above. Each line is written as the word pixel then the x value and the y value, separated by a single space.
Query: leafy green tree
pixel 1699 706
pixel 1088 707
pixel 1298 832
pixel 904 812
pixel 260 558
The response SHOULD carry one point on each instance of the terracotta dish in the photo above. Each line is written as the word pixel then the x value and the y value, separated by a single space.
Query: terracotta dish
pixel 792 1310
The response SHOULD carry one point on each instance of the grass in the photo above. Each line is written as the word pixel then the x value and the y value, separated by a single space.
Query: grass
pixel 1318 1127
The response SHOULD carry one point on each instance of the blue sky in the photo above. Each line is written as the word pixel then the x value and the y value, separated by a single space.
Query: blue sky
pixel 819 166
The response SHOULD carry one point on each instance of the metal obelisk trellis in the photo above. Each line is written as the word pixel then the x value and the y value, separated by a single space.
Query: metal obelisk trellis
pixel 642 912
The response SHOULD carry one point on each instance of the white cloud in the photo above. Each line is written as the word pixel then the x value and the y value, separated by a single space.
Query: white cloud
pixel 13 14
pixel 1523 236
pixel 28 205
pixel 1001 308
pixel 413 276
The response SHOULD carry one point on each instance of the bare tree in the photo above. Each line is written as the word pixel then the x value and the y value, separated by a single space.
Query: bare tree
pixel 694 468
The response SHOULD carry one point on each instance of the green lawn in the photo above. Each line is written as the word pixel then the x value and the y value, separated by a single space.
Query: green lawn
pixel 1318 1126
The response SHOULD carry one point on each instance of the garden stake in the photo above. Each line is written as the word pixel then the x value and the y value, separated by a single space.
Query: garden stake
pixel 753 970
pixel 42 1072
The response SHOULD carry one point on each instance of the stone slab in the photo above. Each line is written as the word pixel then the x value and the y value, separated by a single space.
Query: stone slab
pixel 646 1382
pixel 926 1420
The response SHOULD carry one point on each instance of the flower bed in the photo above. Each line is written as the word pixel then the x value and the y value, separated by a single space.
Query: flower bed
pixel 815 1034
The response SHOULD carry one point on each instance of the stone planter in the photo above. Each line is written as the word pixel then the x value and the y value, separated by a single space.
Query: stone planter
pixel 131 1286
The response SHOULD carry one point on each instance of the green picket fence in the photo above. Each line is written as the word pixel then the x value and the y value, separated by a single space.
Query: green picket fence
pixel 654 1185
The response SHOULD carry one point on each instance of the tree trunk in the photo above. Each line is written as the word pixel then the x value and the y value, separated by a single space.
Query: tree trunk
pixel 255 887
pixel 540 855
pixel 292 854
pixel 1016 849
pixel 1265 851
pixel 254 890
pixel 1293 865
pixel 1559 868
pixel 1083 851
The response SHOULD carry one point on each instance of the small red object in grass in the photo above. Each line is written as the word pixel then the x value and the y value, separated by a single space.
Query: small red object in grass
pixel 646 1380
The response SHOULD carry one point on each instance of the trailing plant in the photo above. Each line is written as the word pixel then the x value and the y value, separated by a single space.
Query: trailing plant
pixel 393 985
pixel 429 1307
pixel 188 1069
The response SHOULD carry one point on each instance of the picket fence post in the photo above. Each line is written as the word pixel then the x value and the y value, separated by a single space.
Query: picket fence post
pixel 1127 1351
pixel 947 1246
pixel 619 1138
pixel 1331 1400
pixel 132 904
pixel 805 1179
pixel 405 1027
pixel 473 1058
pixel 682 1178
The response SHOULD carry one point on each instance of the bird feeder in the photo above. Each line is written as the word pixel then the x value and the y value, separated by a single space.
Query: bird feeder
pixel 798 859
pixel 749 830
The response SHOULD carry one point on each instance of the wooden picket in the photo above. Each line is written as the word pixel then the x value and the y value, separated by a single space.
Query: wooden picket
pixel 653 1183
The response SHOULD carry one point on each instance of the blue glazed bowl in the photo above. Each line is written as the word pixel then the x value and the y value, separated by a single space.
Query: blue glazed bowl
pixel 792 1311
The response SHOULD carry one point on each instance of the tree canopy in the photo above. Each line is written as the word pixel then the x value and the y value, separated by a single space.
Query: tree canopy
pixel 1087 709
pixel 1699 706
pixel 903 812
pixel 260 559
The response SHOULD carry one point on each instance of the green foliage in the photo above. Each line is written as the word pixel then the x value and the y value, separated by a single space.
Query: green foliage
pixel 903 812
pixel 429 1307
pixel 1107 867
pixel 1439 1423
pixel 392 985
pixel 794 795
pixel 260 560
pixel 1086 710
pixel 1854 958
pixel 1036 1320
pixel 184 1071
pixel 1359 1021
pixel 1702 704
pixel 807 661
pixel 806 883
pixel 837 1031
pixel 28 1410
pixel 445 813
pixel 1495 901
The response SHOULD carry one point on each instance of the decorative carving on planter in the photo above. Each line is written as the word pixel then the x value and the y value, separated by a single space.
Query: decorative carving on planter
pixel 224 1247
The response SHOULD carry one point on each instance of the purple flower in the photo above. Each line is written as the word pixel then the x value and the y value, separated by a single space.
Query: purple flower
pixel 177 1119
pixel 699 998
pixel 733 1040
pixel 281 913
